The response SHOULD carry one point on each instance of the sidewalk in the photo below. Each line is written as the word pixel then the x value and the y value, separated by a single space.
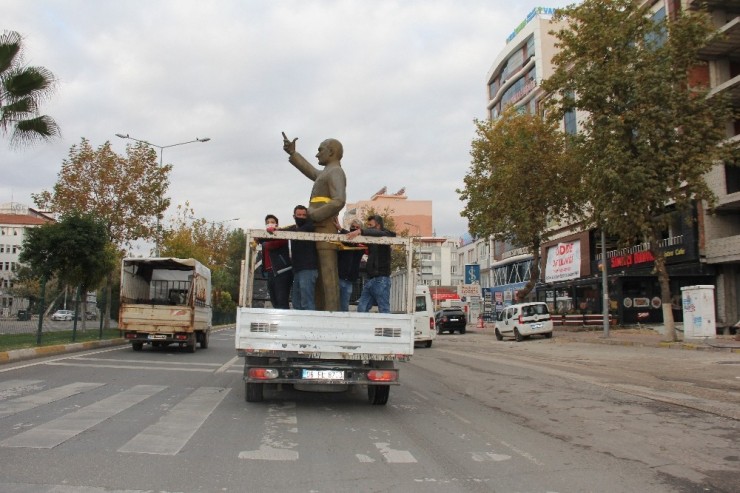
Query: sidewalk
pixel 644 336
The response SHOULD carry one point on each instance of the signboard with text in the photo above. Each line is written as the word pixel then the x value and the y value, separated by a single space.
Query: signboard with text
pixel 563 261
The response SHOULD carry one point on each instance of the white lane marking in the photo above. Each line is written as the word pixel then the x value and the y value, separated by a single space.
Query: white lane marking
pixel 420 395
pixel 394 456
pixel 446 412
pixel 523 453
pixel 489 457
pixel 27 402
pixel 364 458
pixel 139 362
pixel 13 388
pixel 173 430
pixel 13 384
pixel 63 488
pixel 275 444
pixel 47 361
pixel 51 434
pixel 227 365
pixel 135 367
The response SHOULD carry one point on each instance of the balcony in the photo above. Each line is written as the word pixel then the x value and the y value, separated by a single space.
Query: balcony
pixel 727 45
pixel 728 5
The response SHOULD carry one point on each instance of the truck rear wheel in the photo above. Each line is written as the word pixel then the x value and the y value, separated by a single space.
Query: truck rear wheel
pixel 138 346
pixel 378 394
pixel 204 336
pixel 254 392
pixel 190 347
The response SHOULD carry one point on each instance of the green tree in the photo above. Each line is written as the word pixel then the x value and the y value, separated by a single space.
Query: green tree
pixel 213 244
pixel 520 183
pixel 22 89
pixel 649 133
pixel 126 193
pixel 76 250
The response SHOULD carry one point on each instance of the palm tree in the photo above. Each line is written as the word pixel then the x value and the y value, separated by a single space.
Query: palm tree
pixel 22 89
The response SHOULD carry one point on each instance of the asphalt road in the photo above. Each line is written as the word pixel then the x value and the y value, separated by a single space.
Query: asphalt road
pixel 473 415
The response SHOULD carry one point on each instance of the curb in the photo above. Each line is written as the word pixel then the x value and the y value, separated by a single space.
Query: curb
pixel 43 351
pixel 679 345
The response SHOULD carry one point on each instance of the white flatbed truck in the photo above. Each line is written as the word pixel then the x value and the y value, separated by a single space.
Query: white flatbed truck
pixel 322 350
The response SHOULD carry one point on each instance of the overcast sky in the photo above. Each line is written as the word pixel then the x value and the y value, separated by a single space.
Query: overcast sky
pixel 399 83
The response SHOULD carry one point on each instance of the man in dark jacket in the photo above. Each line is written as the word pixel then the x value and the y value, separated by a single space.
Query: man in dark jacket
pixel 377 288
pixel 349 258
pixel 305 262
pixel 276 266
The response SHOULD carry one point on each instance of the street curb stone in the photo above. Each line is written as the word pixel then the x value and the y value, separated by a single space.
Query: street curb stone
pixel 43 351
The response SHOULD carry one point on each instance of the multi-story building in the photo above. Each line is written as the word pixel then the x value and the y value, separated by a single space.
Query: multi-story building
pixel 413 215
pixel 720 234
pixel 15 220
pixel 707 253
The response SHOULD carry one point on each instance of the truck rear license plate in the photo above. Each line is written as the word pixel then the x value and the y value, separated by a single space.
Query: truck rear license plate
pixel 323 375
pixel 157 336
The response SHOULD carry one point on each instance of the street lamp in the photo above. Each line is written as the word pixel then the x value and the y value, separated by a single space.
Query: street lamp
pixel 418 250
pixel 161 152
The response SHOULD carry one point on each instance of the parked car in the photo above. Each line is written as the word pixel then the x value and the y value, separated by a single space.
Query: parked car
pixel 91 316
pixel 64 315
pixel 24 315
pixel 523 320
pixel 450 320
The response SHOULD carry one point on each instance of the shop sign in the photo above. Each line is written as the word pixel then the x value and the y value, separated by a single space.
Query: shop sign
pixel 468 290
pixel 563 262
pixel 644 257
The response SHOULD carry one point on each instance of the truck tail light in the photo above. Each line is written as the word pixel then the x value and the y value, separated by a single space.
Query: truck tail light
pixel 181 337
pixel 382 375
pixel 431 322
pixel 263 373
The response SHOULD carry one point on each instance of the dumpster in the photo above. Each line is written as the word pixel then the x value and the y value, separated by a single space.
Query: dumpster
pixel 24 315
pixel 698 312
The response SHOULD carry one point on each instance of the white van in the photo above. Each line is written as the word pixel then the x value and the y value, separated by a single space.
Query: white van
pixel 523 320
pixel 424 330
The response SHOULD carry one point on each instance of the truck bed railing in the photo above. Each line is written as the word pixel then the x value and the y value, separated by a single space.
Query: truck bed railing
pixel 248 266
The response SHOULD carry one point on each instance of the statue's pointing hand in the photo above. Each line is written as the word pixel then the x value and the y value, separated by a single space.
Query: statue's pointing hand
pixel 289 145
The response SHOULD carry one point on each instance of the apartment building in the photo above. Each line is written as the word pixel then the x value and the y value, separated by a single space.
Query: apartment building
pixel 15 220
pixel 707 252
pixel 720 233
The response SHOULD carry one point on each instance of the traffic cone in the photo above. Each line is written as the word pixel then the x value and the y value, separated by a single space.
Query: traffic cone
pixel 480 322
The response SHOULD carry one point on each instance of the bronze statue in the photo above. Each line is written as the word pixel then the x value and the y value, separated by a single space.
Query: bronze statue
pixel 328 196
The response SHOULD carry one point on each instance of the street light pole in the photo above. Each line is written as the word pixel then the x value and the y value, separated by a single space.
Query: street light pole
pixel 161 152
pixel 418 250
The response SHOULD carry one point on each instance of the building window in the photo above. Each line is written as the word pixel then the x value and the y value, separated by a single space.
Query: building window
pixel 570 123
pixel 732 178
pixel 530 47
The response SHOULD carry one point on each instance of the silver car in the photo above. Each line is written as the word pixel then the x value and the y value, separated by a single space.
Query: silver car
pixel 64 315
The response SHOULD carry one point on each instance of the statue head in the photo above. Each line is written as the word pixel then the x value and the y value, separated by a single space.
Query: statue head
pixel 329 150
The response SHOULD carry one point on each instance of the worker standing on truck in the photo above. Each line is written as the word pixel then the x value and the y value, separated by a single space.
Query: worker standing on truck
pixel 276 266
pixel 377 288
pixel 328 196
pixel 349 259
pixel 305 262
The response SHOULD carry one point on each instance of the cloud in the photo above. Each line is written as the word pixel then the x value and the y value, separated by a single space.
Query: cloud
pixel 398 82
